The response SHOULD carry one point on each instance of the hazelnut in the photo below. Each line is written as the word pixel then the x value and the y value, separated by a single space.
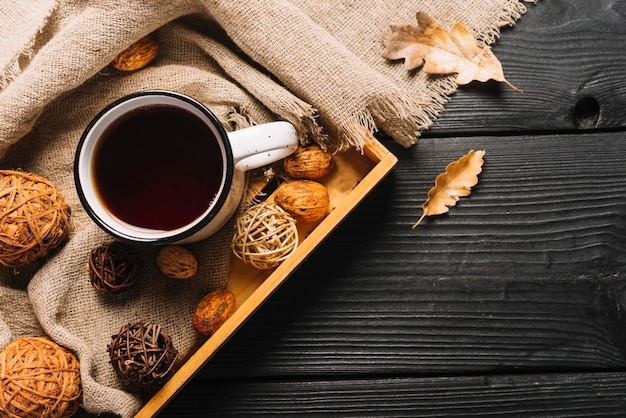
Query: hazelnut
pixel 309 162
pixel 304 200
pixel 176 262
pixel 138 55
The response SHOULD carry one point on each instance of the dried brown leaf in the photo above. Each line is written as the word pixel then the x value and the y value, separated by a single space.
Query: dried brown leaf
pixel 441 52
pixel 457 181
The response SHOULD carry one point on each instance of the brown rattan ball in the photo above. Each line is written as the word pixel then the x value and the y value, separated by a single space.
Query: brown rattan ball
pixel 34 217
pixel 265 236
pixel 38 378
pixel 142 355
pixel 113 267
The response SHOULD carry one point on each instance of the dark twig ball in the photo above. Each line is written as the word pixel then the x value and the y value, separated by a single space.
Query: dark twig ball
pixel 142 355
pixel 113 267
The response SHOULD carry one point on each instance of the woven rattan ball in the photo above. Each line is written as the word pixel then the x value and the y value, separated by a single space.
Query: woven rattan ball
pixel 142 355
pixel 113 267
pixel 34 217
pixel 38 378
pixel 265 236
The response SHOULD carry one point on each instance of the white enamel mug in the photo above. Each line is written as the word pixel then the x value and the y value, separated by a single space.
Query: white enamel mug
pixel 140 180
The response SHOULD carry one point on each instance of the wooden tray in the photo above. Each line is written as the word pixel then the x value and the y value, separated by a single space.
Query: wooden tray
pixel 353 176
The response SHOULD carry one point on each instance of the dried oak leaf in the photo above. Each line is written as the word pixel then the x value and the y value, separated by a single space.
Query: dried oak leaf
pixel 457 181
pixel 442 52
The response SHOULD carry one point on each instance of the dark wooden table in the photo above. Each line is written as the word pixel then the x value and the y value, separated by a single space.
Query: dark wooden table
pixel 513 304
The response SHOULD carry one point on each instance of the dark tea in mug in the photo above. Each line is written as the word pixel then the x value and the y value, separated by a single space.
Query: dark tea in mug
pixel 158 167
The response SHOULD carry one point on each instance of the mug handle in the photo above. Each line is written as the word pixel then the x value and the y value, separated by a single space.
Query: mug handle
pixel 263 144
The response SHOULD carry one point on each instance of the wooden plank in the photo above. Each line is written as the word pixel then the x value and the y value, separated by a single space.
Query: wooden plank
pixel 439 326
pixel 524 276
pixel 527 272
pixel 549 204
pixel 563 54
pixel 353 176
pixel 580 395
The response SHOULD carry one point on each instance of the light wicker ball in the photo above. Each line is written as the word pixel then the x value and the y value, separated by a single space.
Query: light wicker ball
pixel 265 236
pixel 34 217
pixel 38 378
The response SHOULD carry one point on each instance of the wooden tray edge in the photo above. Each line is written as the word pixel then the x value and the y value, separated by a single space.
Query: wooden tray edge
pixel 384 162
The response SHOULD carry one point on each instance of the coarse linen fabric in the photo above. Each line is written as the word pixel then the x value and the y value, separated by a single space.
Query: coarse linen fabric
pixel 317 64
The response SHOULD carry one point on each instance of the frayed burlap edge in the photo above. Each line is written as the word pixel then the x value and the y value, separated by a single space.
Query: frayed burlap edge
pixel 275 97
pixel 12 68
pixel 399 116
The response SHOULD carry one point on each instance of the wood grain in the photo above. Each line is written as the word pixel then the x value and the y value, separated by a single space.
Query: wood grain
pixel 560 53
pixel 353 176
pixel 512 304
pixel 508 279
pixel 546 395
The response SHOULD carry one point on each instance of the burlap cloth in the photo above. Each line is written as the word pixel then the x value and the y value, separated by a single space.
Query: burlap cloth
pixel 315 63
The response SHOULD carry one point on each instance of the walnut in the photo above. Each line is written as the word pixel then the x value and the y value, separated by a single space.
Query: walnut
pixel 138 55
pixel 304 200
pixel 176 262
pixel 309 162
